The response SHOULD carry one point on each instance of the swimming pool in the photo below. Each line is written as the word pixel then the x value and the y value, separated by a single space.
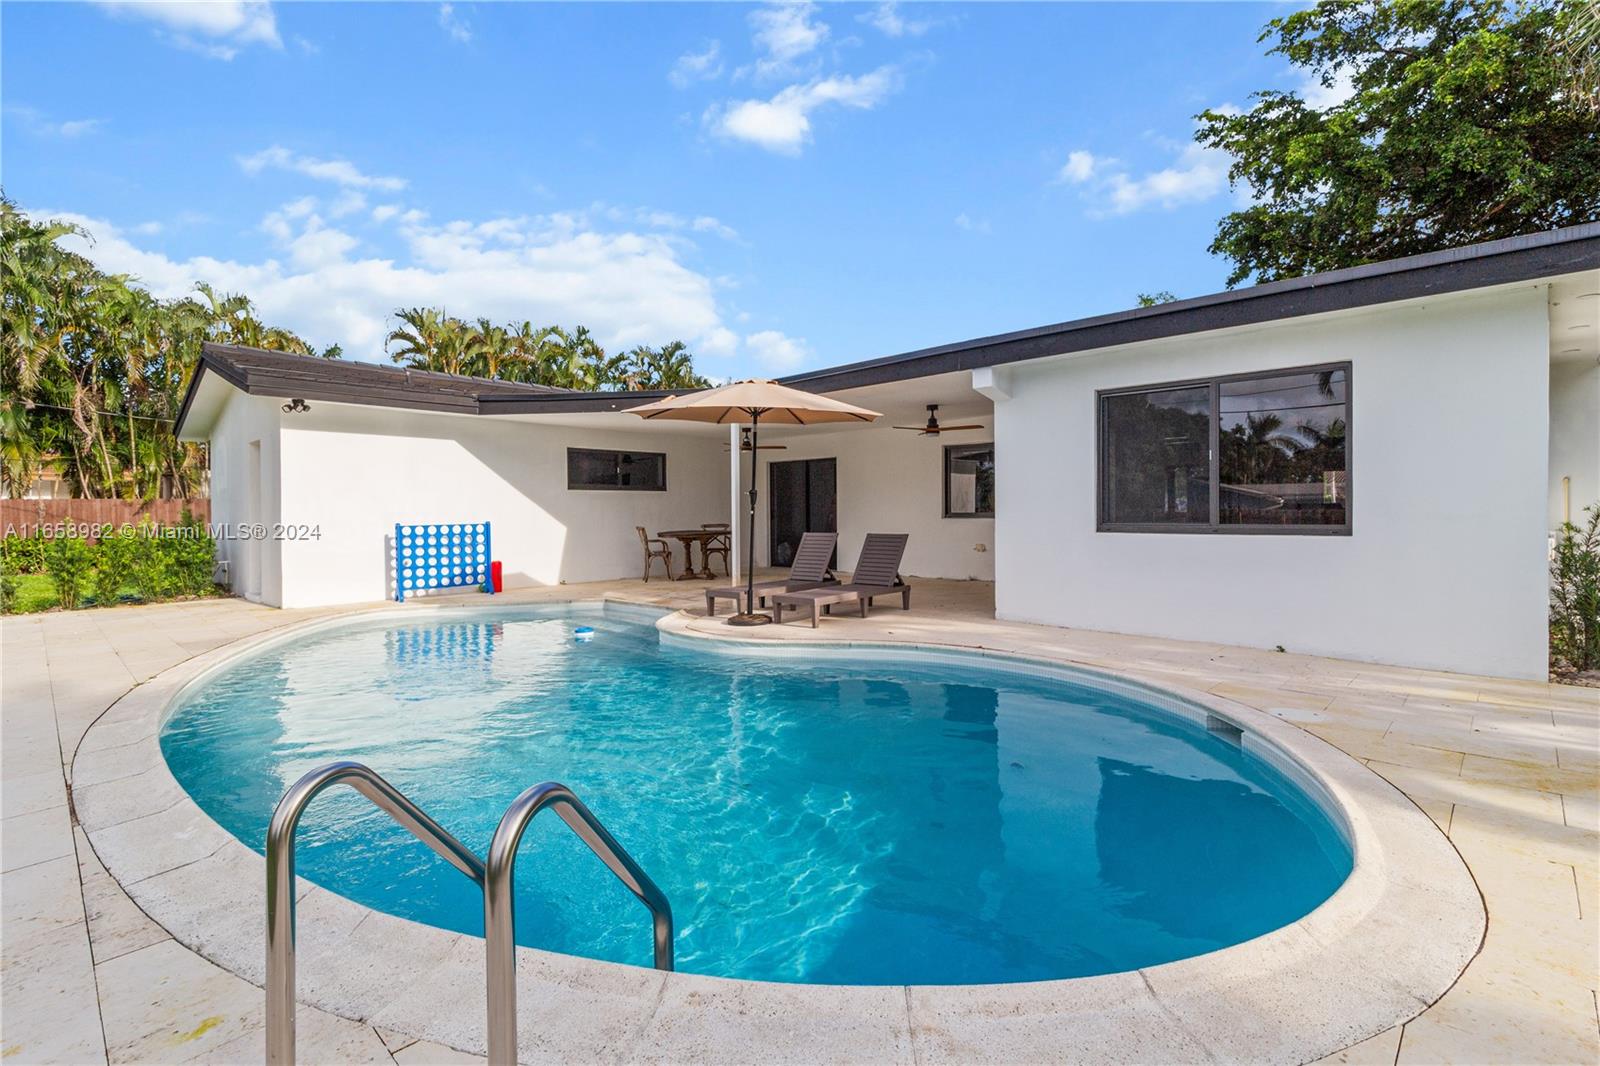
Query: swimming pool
pixel 860 819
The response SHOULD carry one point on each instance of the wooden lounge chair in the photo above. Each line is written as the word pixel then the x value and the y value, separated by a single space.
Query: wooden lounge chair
pixel 877 573
pixel 810 570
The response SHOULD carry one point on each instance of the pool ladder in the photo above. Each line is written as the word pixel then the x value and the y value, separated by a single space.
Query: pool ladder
pixel 493 878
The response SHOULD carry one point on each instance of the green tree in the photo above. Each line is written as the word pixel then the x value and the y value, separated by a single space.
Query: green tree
pixel 1461 125
pixel 1151 299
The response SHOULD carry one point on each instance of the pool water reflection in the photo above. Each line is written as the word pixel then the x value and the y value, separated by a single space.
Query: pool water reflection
pixel 836 820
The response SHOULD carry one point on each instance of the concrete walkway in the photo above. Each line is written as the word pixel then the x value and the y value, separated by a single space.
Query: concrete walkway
pixel 1508 770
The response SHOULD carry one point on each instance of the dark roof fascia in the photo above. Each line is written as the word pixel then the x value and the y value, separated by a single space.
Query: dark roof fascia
pixel 1435 273
pixel 572 402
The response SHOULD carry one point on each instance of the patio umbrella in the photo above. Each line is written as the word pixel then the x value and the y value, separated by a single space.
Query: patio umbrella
pixel 754 402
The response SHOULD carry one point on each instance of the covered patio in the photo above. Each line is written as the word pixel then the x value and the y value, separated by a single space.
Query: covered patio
pixel 886 476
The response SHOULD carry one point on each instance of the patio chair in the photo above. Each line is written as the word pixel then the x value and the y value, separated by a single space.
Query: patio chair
pixel 654 549
pixel 719 545
pixel 810 570
pixel 877 573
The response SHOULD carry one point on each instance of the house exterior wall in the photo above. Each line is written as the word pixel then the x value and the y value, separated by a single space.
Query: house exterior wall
pixel 891 481
pixel 1574 437
pixel 1450 439
pixel 239 499
pixel 354 472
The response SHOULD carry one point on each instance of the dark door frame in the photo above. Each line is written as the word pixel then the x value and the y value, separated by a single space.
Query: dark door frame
pixel 772 504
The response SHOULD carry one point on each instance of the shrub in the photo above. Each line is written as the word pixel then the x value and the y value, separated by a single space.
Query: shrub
pixel 1575 596
pixel 22 555
pixel 150 568
pixel 8 593
pixel 70 560
pixel 113 567
pixel 193 560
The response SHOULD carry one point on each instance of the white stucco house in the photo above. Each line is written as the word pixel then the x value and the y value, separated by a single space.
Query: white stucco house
pixel 1365 463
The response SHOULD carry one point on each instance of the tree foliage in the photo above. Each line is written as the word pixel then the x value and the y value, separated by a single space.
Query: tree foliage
pixel 429 339
pixel 93 368
pixel 1464 122
pixel 1575 595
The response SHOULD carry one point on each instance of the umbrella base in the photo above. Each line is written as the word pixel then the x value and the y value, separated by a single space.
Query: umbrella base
pixel 750 620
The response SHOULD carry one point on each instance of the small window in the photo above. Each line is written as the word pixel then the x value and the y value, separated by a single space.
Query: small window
pixel 969 481
pixel 590 468
pixel 1248 453
pixel 1154 463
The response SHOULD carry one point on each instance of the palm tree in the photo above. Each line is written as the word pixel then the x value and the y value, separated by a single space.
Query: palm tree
pixel 490 351
pixel 417 339
pixel 668 367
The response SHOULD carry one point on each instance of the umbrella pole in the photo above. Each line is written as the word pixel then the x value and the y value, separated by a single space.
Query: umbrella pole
pixel 749 617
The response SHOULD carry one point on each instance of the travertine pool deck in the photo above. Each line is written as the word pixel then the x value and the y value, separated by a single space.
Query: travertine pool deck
pixel 1507 769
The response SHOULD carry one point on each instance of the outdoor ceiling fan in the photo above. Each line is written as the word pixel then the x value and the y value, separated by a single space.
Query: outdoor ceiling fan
pixel 933 428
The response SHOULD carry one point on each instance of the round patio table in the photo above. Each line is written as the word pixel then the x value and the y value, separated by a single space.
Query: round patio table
pixel 689 538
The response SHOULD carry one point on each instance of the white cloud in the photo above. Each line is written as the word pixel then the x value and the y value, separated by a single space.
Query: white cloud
pixel 973 225
pixel 453 24
pixel 691 67
pixel 216 28
pixel 783 123
pixel 1341 87
pixel 337 171
pixel 776 351
pixel 707 224
pixel 324 283
pixel 35 122
pixel 1197 173
pixel 785 32
pixel 384 212
pixel 886 17
pixel 349 202
pixel 1080 167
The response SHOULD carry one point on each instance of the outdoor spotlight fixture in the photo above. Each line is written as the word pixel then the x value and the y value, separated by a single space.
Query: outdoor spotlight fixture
pixel 296 406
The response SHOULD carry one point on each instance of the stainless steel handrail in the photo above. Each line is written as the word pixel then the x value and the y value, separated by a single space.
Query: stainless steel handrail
pixel 280 879
pixel 499 917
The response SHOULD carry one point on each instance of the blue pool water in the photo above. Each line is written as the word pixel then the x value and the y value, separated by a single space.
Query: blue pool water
pixel 837 820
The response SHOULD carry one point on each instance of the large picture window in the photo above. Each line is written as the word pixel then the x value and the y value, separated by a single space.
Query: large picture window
pixel 1247 453
pixel 969 481
pixel 591 468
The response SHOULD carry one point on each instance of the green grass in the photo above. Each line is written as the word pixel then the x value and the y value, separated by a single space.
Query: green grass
pixel 36 592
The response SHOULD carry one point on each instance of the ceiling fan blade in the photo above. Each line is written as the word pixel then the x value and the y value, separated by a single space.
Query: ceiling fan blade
pixel 914 429
pixel 963 427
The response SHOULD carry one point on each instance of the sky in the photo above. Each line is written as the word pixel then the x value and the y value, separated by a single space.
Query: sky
pixel 780 186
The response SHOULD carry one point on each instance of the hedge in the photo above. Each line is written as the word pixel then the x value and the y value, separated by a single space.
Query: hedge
pixel 150 562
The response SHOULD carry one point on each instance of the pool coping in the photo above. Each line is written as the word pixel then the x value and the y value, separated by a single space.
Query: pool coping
pixel 1388 943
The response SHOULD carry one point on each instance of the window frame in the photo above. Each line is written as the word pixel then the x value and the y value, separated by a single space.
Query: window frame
pixel 617 452
pixel 944 476
pixel 1214 460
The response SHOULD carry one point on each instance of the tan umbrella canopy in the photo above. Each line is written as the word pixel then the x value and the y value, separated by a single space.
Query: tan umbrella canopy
pixel 754 402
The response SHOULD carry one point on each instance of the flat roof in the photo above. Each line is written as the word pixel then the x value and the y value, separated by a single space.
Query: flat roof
pixel 1473 266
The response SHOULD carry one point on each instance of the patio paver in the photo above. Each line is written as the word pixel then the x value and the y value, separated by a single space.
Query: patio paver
pixel 1507 769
